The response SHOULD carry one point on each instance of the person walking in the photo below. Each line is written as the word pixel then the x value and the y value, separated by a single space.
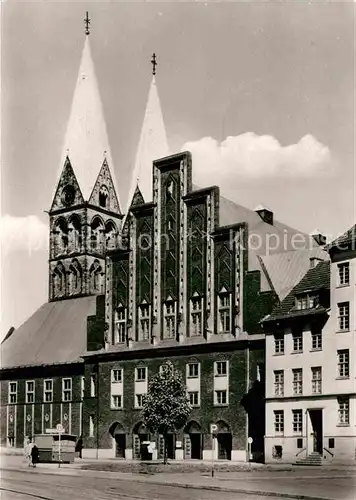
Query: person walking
pixel 35 455
pixel 27 451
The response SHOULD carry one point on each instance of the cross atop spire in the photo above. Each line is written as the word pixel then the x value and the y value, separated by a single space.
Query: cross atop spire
pixel 87 23
pixel 154 63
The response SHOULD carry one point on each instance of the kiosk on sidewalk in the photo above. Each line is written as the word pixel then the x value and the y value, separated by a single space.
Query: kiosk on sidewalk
pixel 55 447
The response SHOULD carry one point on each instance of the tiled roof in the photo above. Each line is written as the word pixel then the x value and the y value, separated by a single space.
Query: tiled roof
pixel 346 239
pixel 55 333
pixel 317 278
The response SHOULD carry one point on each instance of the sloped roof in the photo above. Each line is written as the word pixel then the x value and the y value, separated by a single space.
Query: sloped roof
pixel 317 278
pixel 286 269
pixel 346 239
pixel 55 333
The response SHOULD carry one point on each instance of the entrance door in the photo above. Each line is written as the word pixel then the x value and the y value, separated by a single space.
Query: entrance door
pixel 316 418
pixel 120 440
pixel 224 446
pixel 195 440
pixel 171 445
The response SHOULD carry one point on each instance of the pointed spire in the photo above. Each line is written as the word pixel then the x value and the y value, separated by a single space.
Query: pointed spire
pixel 152 145
pixel 86 142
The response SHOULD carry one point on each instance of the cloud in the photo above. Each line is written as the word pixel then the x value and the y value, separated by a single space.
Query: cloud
pixel 23 233
pixel 252 156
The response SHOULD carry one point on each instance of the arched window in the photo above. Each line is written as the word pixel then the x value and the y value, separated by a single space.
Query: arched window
pixel 97 235
pixel 75 277
pixel 74 234
pixel 103 197
pixel 110 235
pixel 59 281
pixel 60 237
pixel 96 278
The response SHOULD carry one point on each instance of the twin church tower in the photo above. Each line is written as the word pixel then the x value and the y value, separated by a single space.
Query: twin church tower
pixel 86 216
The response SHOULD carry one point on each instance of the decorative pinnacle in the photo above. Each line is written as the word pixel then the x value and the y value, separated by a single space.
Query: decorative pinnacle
pixel 87 23
pixel 154 63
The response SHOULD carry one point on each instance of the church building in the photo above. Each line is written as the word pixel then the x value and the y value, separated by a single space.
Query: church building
pixel 181 274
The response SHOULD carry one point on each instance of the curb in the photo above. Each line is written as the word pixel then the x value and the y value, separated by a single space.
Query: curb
pixel 294 496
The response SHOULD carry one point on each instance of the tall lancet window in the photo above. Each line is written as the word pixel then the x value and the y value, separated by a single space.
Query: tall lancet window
pixel 110 235
pixel 74 234
pixel 120 324
pixel 224 308
pixel 75 277
pixel 170 318
pixel 104 197
pixel 60 237
pixel 59 281
pixel 96 278
pixel 196 315
pixel 144 321
pixel 97 237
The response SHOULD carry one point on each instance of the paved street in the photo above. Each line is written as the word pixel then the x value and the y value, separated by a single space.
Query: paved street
pixel 48 482
pixel 16 485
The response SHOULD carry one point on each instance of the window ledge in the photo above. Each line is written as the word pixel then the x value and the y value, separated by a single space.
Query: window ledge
pixel 342 425
pixel 278 354
pixel 297 352
pixel 342 378
pixel 345 285
pixel 220 404
pixel 114 408
pixel 192 376
pixel 343 331
pixel 319 349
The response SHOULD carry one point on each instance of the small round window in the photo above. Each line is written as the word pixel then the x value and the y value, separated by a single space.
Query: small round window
pixel 68 195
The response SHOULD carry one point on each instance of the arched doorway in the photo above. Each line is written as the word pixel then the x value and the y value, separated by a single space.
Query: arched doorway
pixel 140 436
pixel 118 434
pixel 193 441
pixel 224 440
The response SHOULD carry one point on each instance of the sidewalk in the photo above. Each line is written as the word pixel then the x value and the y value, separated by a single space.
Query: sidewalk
pixel 309 484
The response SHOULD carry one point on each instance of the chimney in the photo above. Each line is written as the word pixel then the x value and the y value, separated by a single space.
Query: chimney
pixel 265 213
pixel 314 261
pixel 319 238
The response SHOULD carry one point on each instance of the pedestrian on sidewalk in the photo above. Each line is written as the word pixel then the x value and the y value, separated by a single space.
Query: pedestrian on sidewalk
pixel 79 446
pixel 35 454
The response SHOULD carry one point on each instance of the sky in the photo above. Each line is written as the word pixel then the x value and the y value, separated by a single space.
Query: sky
pixel 261 93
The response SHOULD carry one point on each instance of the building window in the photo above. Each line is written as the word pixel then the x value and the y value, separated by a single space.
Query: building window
pixel 344 410
pixel 297 421
pixel 279 343
pixel 279 421
pixel 297 381
pixel 30 391
pixel 307 301
pixel 116 375
pixel 116 401
pixel 144 321
pixel 344 316
pixel 279 383
pixel 139 400
pixel 220 368
pixel 196 315
pixel 344 273
pixel 194 398
pixel 82 386
pixel 316 380
pixel 120 325
pixel 48 391
pixel 66 389
pixel 298 341
pixel 343 363
pixel 192 370
pixel 12 393
pixel 317 342
pixel 224 312
pixel 91 425
pixel 221 397
pixel 92 386
pixel 170 319
pixel 141 374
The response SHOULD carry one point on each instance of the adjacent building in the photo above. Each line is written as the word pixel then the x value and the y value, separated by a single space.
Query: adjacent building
pixel 310 373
